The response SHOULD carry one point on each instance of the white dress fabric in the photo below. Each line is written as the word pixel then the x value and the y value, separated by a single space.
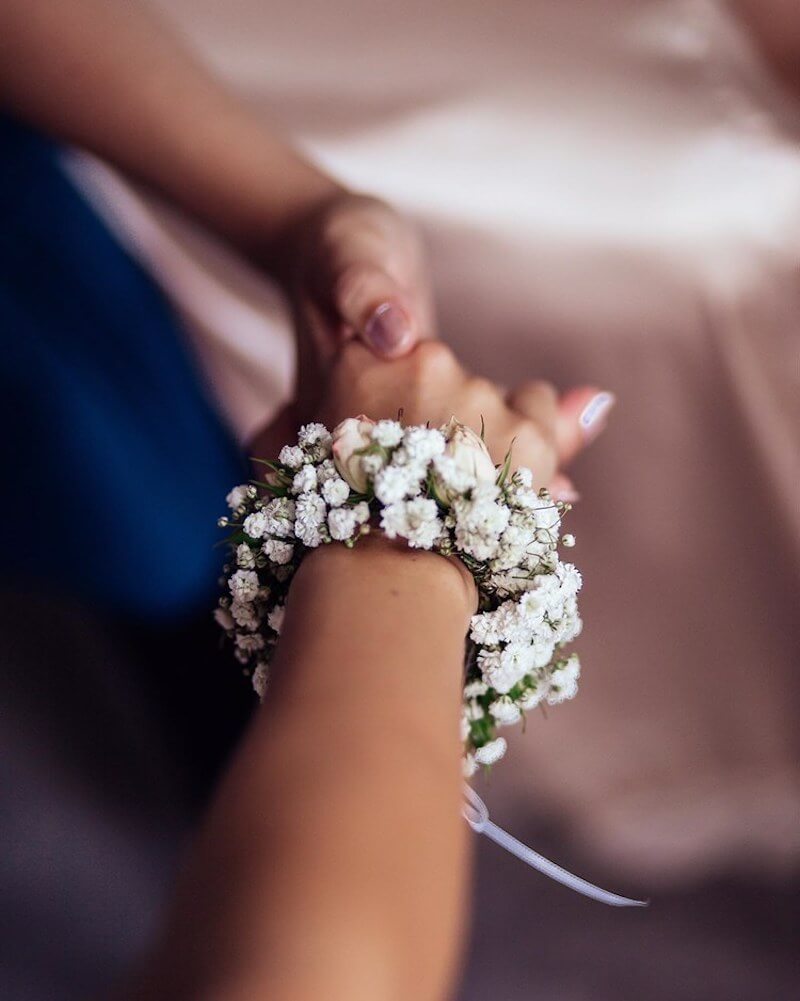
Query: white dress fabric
pixel 611 193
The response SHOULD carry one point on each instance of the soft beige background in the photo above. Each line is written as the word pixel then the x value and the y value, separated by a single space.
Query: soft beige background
pixel 611 194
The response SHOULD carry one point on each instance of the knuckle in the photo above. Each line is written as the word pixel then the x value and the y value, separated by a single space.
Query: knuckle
pixel 352 284
pixel 434 358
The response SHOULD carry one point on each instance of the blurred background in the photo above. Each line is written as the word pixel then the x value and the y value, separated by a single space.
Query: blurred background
pixel 611 195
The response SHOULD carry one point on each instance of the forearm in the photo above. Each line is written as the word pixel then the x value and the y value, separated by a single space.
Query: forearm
pixel 333 864
pixel 109 76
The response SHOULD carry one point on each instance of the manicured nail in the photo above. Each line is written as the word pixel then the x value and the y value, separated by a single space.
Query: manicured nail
pixel 569 495
pixel 388 330
pixel 593 416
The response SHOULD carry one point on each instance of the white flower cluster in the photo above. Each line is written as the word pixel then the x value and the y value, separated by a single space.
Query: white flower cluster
pixel 438 489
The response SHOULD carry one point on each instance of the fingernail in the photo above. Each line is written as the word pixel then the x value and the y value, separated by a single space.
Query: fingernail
pixel 388 330
pixel 569 495
pixel 593 416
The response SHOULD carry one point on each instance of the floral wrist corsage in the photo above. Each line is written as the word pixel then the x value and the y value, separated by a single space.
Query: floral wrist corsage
pixel 437 490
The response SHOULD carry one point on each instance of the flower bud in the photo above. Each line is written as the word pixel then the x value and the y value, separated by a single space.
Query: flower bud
pixel 465 464
pixel 349 438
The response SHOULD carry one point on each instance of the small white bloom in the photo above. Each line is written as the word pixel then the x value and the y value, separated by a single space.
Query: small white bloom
pixel 335 491
pixel 473 710
pixel 568 541
pixel 387 434
pixel 504 711
pixel 372 464
pixel 255 524
pixel 277 551
pixel 350 438
pixel 504 668
pixel 275 618
pixel 484 629
pixel 305 480
pixel 464 727
pixel 421 444
pixel 474 689
pixel 245 615
pixel 280 515
pixel 309 534
pixel 312 434
pixel 249 642
pixel 341 523
pixel 245 557
pixel 491 752
pixel 416 520
pixel 310 510
pixel 243 585
pixel 291 456
pixel 326 471
pixel 223 618
pixel 469 766
pixel 361 511
pixel 238 496
pixel 564 681
pixel 260 680
pixel 395 483
pixel 523 477
pixel 531 697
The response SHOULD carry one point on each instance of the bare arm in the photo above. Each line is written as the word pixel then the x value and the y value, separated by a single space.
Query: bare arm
pixel 333 863
pixel 109 76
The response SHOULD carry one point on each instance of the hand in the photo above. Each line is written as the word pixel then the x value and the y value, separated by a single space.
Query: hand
pixel 429 385
pixel 352 268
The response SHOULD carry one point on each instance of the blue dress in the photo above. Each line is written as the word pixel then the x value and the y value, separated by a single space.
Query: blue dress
pixel 116 709
pixel 114 462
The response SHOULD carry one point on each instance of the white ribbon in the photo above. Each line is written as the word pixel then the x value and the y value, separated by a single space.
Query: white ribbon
pixel 477 816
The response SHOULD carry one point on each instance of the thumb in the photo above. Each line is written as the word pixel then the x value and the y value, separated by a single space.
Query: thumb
pixel 372 306
pixel 582 415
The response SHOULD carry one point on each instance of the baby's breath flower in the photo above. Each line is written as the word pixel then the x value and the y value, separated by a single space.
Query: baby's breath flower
pixel 243 585
pixel 335 491
pixel 291 456
pixel 387 434
pixel 491 752
pixel 395 483
pixel 245 557
pixel 275 618
pixel 564 680
pixel 474 689
pixel 260 679
pixel 237 497
pixel 223 618
pixel 504 711
pixel 341 523
pixel 305 480
pixel 278 551
pixel 245 615
pixel 255 525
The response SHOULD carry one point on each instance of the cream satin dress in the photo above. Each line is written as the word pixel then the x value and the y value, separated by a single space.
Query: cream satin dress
pixel 611 193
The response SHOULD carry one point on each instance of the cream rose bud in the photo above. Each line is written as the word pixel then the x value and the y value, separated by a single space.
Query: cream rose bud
pixel 349 438
pixel 465 463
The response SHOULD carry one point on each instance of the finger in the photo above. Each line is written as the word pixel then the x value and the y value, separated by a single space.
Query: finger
pixel 562 488
pixel 372 306
pixel 538 401
pixel 582 416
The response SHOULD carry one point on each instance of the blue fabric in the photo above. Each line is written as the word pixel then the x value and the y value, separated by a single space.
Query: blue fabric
pixel 114 464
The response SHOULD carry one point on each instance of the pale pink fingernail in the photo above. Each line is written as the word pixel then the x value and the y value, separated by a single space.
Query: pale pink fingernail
pixel 593 416
pixel 388 330
pixel 569 495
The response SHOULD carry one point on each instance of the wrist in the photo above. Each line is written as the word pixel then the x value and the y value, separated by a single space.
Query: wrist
pixel 445 580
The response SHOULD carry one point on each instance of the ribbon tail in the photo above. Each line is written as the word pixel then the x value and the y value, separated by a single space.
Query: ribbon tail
pixel 477 816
